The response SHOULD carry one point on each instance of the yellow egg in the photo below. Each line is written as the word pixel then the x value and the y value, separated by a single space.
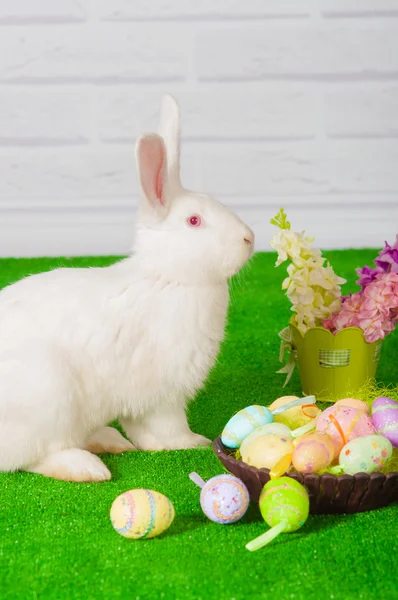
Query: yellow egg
pixel 141 514
pixel 265 451
pixel 354 403
pixel 294 417
pixel 276 428
pixel 313 452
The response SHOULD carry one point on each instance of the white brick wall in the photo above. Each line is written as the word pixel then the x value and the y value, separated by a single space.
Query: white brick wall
pixel 285 103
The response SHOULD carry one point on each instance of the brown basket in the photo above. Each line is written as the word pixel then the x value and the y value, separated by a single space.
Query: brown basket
pixel 328 493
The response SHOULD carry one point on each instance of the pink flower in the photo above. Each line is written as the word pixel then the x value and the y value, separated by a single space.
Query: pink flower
pixel 388 257
pixel 328 323
pixel 372 329
pixel 386 262
pixel 374 309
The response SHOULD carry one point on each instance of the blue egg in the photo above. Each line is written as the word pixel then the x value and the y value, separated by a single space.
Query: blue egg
pixel 243 423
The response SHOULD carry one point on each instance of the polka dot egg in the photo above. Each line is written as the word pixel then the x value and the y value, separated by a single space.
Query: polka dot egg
pixel 224 499
pixel 243 423
pixel 365 454
pixel 141 514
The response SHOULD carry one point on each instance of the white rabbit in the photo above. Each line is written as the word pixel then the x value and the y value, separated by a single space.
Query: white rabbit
pixel 134 341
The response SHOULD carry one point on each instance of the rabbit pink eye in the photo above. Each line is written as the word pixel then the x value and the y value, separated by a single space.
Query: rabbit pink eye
pixel 194 221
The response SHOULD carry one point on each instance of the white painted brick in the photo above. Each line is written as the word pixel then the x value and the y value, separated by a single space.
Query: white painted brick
pixel 100 52
pixel 302 168
pixel 65 232
pixel 99 229
pixel 362 113
pixel 65 173
pixel 202 9
pixel 359 8
pixel 43 11
pixel 254 54
pixel 64 191
pixel 231 113
pixel 36 116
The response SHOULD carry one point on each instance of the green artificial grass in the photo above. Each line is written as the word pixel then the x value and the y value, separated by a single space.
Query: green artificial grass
pixel 56 539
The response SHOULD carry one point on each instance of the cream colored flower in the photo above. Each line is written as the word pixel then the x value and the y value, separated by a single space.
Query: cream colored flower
pixel 290 245
pixel 311 286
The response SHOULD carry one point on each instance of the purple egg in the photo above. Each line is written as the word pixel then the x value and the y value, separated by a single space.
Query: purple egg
pixel 385 418
pixel 224 499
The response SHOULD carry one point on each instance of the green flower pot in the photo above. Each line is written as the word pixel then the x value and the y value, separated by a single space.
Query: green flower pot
pixel 334 366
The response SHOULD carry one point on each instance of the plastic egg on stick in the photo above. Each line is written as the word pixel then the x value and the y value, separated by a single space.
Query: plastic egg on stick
pixel 224 499
pixel 284 505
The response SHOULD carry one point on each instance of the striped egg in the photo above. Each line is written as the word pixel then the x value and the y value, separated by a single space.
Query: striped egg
pixel 385 418
pixel 312 453
pixel 365 454
pixel 141 514
pixel 243 423
pixel 286 501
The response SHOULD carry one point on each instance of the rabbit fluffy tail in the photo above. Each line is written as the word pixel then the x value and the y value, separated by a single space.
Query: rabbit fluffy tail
pixel 72 465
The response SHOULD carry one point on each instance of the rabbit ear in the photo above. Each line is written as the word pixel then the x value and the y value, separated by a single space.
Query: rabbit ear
pixel 152 170
pixel 170 131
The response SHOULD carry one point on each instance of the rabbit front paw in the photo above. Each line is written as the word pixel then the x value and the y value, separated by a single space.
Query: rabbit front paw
pixel 163 430
pixel 108 439
pixel 192 441
pixel 178 443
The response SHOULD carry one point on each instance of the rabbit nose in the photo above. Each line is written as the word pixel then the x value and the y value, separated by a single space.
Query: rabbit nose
pixel 249 238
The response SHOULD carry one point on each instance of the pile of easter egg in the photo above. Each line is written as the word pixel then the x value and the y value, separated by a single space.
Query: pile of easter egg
pixel 293 434
pixel 284 505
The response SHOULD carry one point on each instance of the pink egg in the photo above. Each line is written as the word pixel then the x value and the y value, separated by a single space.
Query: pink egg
pixel 354 403
pixel 312 453
pixel 343 424
pixel 385 418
